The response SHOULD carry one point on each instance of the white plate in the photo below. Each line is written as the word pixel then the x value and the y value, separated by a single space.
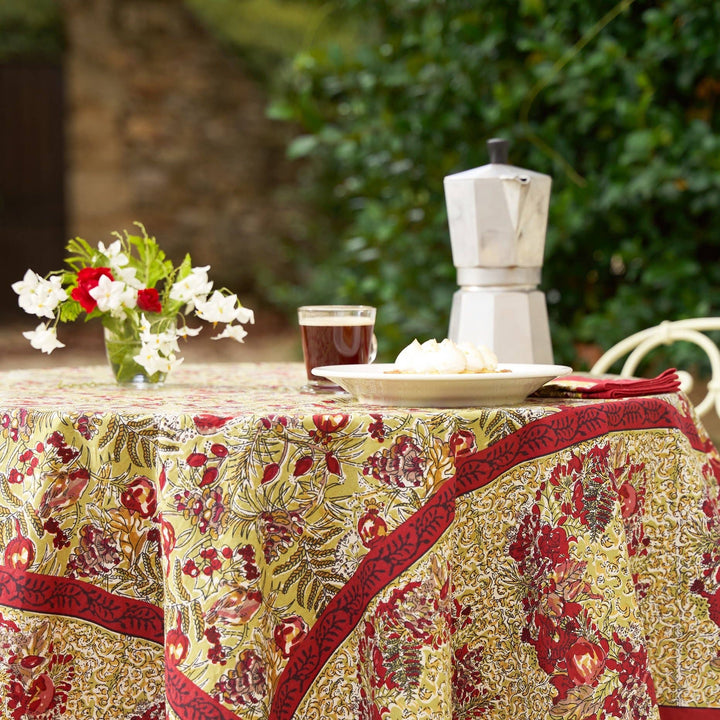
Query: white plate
pixel 375 384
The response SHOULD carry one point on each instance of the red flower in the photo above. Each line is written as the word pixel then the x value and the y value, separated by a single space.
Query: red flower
pixel 20 551
pixel 628 499
pixel 585 662
pixel 149 300
pixel 371 526
pixel 87 280
pixel 462 442
pixel 140 497
pixel 207 424
pixel 176 645
pixel 553 543
pixel 330 423
pixel 40 695
pixel 289 632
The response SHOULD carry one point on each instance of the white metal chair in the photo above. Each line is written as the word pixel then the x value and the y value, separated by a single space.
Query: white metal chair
pixel 667 333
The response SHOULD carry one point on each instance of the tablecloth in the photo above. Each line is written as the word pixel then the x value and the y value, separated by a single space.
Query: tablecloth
pixel 227 547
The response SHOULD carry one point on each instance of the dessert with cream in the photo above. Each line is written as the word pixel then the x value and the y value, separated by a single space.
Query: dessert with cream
pixel 445 357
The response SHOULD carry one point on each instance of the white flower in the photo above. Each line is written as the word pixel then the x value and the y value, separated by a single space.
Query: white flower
pixel 218 308
pixel 236 332
pixel 118 263
pixel 44 338
pixel 164 342
pixel 111 295
pixel 38 296
pixel 185 332
pixel 29 282
pixel 193 288
pixel 151 359
pixel 128 275
pixel 245 315
pixel 116 257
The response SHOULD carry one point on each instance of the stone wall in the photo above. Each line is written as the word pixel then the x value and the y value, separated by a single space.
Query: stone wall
pixel 166 127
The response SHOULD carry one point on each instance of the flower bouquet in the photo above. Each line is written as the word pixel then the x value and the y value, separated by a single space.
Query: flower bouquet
pixel 141 299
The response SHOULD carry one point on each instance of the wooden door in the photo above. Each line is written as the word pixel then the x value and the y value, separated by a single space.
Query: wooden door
pixel 32 174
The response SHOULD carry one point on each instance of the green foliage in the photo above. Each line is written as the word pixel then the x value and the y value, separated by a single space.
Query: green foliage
pixel 618 102
pixel 267 31
pixel 30 28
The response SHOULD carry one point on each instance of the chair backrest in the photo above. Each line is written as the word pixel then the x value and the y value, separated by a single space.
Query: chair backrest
pixel 666 333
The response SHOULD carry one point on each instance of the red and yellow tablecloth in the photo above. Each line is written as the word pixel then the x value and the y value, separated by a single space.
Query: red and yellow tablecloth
pixel 227 547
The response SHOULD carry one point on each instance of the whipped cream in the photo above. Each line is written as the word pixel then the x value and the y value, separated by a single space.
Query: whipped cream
pixel 445 357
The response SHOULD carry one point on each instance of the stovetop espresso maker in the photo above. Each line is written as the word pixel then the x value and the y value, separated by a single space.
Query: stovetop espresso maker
pixel 497 216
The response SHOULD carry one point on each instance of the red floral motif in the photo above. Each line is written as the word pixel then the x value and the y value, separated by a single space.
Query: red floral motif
pixel 401 465
pixel 66 454
pixel 176 644
pixel 96 554
pixel 469 692
pixel 205 507
pixel 303 466
pixel 377 428
pixel 585 661
pixel 278 422
pixel 462 442
pixel 60 540
pixel 279 531
pixel 569 646
pixel 20 551
pixel 148 300
pixel 140 497
pixel 65 490
pixel 15 476
pixel 236 607
pixel 371 526
pixel 38 684
pixel 87 280
pixel 207 424
pixel 86 426
pixel 246 684
pixel 219 450
pixel 216 652
pixel 708 585
pixel 332 464
pixel 270 472
pixel 289 632
pixel 209 476
pixel 326 425
pixel 415 616
pixel 196 459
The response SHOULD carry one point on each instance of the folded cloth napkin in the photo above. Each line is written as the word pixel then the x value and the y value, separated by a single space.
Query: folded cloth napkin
pixel 587 386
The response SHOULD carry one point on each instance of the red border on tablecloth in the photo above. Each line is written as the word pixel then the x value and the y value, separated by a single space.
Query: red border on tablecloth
pixel 24 590
pixel 189 701
pixel 688 713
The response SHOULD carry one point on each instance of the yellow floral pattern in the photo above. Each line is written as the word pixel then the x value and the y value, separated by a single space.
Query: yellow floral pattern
pixel 225 547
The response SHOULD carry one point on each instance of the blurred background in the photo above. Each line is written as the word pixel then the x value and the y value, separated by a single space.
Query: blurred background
pixel 299 148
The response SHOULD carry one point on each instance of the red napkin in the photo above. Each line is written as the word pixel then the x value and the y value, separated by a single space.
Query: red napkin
pixel 587 386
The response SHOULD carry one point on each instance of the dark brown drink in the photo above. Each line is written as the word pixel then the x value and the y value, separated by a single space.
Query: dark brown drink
pixel 335 341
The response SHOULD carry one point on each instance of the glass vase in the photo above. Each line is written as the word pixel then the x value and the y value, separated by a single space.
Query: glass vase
pixel 122 344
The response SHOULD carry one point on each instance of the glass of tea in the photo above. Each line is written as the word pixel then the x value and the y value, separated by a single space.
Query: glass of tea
pixel 335 335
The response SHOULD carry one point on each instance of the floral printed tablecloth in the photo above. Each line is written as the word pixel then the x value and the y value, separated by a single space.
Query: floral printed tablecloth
pixel 227 547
